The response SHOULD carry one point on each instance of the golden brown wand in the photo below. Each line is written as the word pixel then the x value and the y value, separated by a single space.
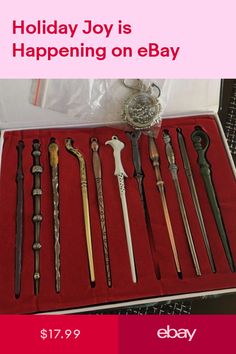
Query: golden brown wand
pixel 84 188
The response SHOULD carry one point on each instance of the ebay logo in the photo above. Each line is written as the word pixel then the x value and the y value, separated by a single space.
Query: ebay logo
pixel 172 333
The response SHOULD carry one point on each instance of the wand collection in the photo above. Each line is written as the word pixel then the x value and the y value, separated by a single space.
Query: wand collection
pixel 162 155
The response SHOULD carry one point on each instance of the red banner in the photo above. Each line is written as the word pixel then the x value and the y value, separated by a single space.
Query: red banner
pixel 105 334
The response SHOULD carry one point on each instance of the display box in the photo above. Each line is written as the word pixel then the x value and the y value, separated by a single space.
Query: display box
pixel 76 294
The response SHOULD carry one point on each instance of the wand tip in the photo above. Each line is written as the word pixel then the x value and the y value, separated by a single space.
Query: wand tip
pixel 69 141
pixel 35 141
pixel 93 284
pixel 180 275
pixel 52 140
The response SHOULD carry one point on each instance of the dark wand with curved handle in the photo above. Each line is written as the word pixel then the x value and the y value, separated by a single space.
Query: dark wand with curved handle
pixel 138 173
pixel 139 176
pixel 19 219
pixel 201 143
pixel 188 172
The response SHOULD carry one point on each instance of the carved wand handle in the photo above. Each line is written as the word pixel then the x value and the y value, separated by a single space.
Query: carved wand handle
pixel 54 162
pixel 154 157
pixel 84 189
pixel 98 179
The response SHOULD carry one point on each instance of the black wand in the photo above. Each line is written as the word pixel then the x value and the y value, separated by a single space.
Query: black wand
pixel 19 219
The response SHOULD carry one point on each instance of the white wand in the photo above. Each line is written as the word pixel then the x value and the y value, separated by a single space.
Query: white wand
pixel 117 146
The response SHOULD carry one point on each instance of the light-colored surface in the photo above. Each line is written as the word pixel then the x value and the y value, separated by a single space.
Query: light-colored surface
pixel 144 302
pixel 181 97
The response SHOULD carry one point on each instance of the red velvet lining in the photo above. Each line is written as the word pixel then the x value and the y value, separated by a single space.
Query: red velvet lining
pixel 75 286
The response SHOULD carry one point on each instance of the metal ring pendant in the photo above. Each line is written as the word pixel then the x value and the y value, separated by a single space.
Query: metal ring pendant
pixel 142 110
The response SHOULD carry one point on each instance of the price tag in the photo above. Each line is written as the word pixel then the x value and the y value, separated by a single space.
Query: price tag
pixel 57 333
pixel 78 334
